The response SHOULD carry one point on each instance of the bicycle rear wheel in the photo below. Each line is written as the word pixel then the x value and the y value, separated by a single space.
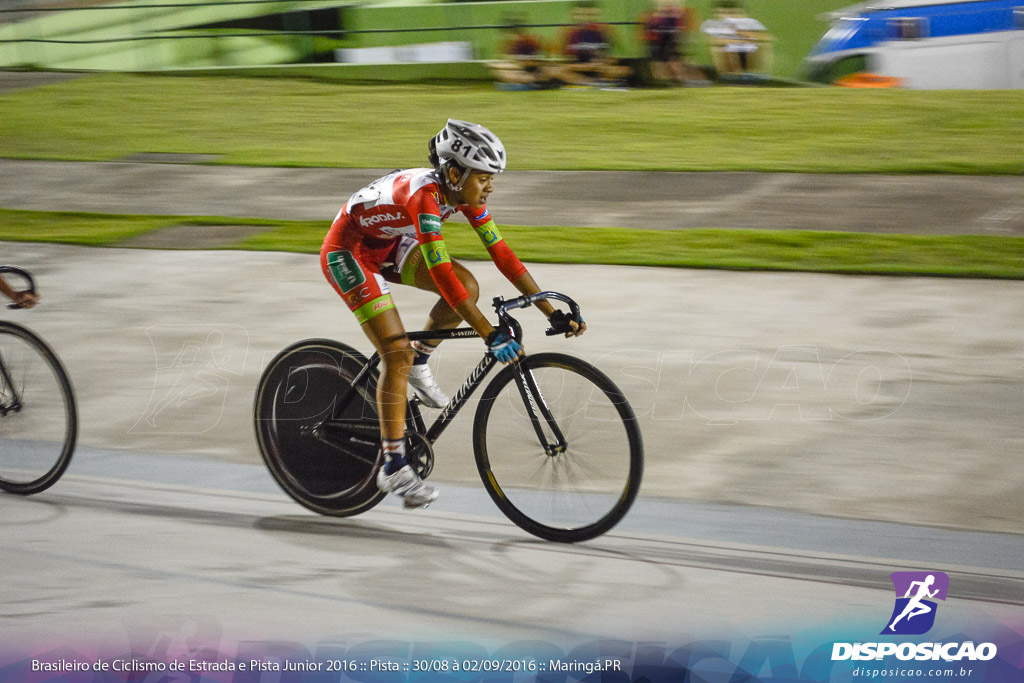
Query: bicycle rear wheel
pixel 586 479
pixel 38 418
pixel 298 391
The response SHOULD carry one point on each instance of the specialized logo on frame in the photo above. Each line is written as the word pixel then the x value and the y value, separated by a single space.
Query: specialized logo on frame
pixel 915 608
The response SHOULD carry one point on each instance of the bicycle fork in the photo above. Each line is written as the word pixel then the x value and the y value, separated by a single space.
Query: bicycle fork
pixel 540 414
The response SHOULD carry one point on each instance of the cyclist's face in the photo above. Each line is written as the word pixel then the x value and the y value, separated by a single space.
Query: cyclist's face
pixel 477 188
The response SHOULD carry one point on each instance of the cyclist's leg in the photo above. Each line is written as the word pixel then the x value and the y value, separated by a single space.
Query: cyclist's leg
pixel 404 265
pixel 387 333
pixel 354 273
pixel 442 316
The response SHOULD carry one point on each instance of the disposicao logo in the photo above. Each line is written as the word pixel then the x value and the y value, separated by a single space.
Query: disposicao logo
pixel 912 615
pixel 916 593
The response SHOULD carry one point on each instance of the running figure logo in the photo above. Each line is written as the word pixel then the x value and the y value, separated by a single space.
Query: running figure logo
pixel 916 593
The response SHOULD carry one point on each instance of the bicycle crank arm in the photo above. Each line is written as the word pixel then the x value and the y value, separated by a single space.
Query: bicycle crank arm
pixel 342 438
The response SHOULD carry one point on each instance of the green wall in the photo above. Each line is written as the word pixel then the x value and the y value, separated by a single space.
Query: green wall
pixel 106 24
pixel 792 22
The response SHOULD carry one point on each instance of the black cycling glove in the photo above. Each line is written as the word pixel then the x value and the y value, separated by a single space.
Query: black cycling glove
pixel 560 323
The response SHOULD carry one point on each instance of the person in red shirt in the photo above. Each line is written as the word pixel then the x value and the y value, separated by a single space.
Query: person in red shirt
pixel 664 31
pixel 523 63
pixel 586 46
pixel 390 232
pixel 521 43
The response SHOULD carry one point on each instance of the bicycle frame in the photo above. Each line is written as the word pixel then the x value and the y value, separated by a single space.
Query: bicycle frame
pixel 539 413
pixel 448 413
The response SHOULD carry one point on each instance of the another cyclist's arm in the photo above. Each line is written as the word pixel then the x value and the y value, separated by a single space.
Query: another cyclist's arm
pixel 24 299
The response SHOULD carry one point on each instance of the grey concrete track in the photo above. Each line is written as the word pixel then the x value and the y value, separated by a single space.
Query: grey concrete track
pixel 860 397
pixel 104 557
pixel 935 204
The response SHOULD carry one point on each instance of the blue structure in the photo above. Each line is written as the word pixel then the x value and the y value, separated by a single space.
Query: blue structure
pixel 925 43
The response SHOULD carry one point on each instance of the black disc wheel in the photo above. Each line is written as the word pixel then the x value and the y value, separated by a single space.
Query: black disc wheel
pixel 38 418
pixel 558 447
pixel 319 436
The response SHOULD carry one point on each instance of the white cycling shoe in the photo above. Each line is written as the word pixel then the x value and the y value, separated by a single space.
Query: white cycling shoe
pixel 408 486
pixel 423 384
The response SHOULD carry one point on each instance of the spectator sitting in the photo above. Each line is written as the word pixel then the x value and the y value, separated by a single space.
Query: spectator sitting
pixel 586 46
pixel 665 32
pixel 523 63
pixel 740 45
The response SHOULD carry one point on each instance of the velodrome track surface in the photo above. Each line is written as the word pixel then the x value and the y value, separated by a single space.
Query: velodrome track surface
pixel 193 554
pixel 894 399
pixel 806 434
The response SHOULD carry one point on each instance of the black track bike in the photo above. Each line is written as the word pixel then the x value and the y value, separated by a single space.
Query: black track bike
pixel 38 418
pixel 556 443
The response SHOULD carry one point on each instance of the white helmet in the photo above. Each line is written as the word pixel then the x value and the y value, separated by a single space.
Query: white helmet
pixel 469 145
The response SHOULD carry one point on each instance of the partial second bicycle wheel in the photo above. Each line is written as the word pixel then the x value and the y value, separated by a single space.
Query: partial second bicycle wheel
pixel 38 417
pixel 299 389
pixel 583 490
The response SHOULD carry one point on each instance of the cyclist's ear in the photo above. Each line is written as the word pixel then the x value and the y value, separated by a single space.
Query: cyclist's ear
pixel 454 175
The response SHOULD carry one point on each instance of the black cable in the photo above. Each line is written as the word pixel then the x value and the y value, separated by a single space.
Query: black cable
pixel 290 33
pixel 155 6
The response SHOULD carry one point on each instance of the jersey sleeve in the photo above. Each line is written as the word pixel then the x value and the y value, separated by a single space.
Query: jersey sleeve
pixel 425 210
pixel 504 258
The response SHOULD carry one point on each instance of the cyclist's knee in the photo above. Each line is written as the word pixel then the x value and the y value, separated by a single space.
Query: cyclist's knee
pixel 397 357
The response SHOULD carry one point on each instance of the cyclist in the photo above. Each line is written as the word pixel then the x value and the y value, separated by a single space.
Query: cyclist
pixel 390 231
pixel 24 299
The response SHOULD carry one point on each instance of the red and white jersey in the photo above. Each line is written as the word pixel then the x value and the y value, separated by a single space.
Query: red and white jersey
pixel 411 203
pixel 392 205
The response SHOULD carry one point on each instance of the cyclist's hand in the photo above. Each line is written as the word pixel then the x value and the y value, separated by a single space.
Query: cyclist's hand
pixel 25 299
pixel 564 324
pixel 503 347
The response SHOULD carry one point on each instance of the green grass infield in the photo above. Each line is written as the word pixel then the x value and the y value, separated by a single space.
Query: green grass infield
pixel 807 251
pixel 295 122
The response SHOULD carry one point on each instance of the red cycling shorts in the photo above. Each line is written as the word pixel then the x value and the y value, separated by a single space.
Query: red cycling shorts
pixel 359 270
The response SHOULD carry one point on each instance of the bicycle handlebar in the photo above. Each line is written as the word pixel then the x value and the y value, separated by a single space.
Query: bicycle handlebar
pixel 501 306
pixel 23 274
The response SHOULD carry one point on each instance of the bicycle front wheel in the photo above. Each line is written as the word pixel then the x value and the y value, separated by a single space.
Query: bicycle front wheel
pixel 298 395
pixel 38 419
pixel 558 447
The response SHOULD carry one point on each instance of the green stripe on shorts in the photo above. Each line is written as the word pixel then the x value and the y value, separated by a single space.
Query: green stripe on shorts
pixel 375 307
pixel 408 273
